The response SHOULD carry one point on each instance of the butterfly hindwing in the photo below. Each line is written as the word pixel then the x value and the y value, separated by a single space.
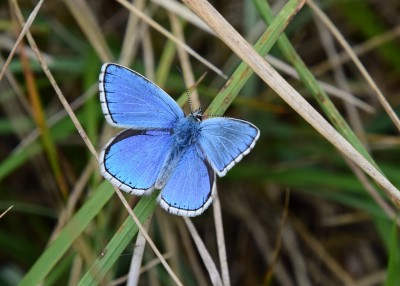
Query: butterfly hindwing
pixel 188 192
pixel 132 160
pixel 129 100
pixel 225 141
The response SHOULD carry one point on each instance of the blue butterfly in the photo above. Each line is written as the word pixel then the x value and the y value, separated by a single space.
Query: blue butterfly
pixel 163 149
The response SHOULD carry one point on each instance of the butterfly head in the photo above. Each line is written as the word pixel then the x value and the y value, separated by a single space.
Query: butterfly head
pixel 197 115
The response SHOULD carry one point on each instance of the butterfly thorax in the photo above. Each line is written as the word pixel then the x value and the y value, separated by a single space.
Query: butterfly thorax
pixel 185 134
pixel 186 131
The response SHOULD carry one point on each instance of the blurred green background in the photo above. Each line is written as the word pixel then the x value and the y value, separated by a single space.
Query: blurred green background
pixel 294 211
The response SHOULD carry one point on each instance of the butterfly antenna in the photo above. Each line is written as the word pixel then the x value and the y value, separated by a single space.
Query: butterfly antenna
pixel 187 92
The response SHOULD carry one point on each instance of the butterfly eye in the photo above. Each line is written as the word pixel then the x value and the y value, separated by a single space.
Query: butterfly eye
pixel 198 115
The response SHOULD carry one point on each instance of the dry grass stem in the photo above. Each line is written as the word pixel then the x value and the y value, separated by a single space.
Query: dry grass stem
pixel 339 37
pixel 244 50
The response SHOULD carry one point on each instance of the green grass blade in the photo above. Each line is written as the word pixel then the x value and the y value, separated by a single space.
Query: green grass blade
pixel 369 25
pixel 393 274
pixel 58 273
pixel 67 236
pixel 18 158
pixel 239 78
pixel 120 241
pixel 59 132
pixel 311 83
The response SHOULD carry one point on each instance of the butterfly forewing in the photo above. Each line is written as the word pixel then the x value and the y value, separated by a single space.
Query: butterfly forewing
pixel 129 100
